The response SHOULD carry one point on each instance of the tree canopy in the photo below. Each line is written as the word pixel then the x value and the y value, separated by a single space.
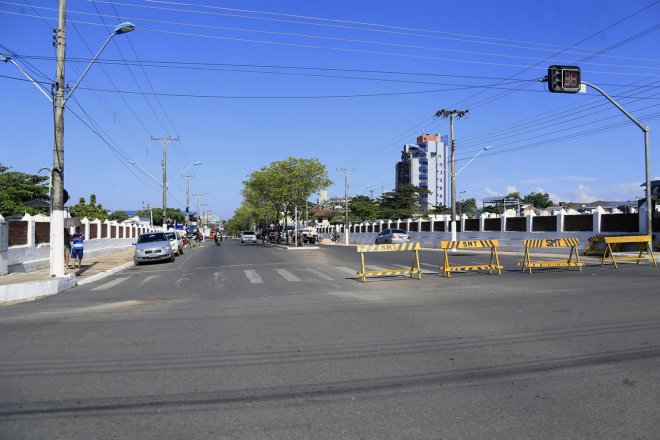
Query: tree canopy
pixel 90 210
pixel 362 208
pixel 174 215
pixel 17 188
pixel 281 186
pixel 538 200
pixel 404 202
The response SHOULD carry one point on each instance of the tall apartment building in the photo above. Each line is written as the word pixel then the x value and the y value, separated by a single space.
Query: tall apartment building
pixel 425 165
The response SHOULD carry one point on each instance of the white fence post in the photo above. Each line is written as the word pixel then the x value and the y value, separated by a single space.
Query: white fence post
pixel 560 220
pixel 529 221
pixel 597 222
pixel 4 246
pixel 30 229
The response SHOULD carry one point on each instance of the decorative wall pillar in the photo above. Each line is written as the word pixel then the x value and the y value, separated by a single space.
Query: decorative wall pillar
pixel 482 221
pixel 529 221
pixel 4 246
pixel 560 220
pixel 597 222
pixel 643 227
pixel 30 229
pixel 503 223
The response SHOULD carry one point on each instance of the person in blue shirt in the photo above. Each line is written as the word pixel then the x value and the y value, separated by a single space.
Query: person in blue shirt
pixel 77 247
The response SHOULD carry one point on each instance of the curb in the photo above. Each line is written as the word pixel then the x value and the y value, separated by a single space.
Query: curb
pixel 36 289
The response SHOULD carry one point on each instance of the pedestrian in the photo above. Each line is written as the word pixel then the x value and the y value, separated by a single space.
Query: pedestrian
pixel 67 247
pixel 77 247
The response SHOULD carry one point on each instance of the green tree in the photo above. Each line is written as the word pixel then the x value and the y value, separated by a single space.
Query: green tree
pixel 120 216
pixel 90 210
pixel 244 218
pixel 17 188
pixel 467 206
pixel 362 208
pixel 404 202
pixel 174 215
pixel 440 209
pixel 285 184
pixel 538 199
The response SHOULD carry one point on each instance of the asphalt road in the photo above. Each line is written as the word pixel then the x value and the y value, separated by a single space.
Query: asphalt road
pixel 256 342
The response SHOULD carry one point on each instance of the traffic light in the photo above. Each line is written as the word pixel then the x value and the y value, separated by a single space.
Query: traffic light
pixel 564 79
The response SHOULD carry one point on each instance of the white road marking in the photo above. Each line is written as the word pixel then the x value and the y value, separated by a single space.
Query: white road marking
pixel 253 276
pixel 372 267
pixel 346 269
pixel 320 274
pixel 216 275
pixel 110 284
pixel 147 279
pixel 287 275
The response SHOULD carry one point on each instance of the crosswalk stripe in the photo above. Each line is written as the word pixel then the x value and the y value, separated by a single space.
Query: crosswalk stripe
pixel 346 270
pixel 287 275
pixel 147 279
pixel 110 284
pixel 372 267
pixel 320 274
pixel 253 276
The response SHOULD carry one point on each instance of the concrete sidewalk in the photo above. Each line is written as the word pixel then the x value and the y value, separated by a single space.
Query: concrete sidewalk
pixel 31 285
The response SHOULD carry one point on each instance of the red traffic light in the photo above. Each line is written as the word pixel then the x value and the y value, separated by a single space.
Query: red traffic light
pixel 564 79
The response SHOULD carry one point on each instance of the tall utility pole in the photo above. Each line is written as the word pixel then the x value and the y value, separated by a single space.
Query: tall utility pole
pixel 346 226
pixel 198 196
pixel 188 200
pixel 57 171
pixel 164 165
pixel 451 114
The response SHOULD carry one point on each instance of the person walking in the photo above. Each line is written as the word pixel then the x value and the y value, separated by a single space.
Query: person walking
pixel 77 247
pixel 67 247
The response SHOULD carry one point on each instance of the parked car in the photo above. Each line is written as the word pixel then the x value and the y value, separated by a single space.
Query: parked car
pixel 393 236
pixel 153 246
pixel 248 237
pixel 308 235
pixel 176 241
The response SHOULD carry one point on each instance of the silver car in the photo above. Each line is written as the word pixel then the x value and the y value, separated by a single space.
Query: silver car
pixel 176 241
pixel 153 246
pixel 248 237
pixel 393 236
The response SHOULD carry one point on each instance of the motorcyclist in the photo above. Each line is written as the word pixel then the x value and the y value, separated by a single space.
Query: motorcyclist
pixel 217 235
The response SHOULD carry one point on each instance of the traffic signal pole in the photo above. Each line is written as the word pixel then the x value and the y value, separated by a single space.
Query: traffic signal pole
pixel 647 155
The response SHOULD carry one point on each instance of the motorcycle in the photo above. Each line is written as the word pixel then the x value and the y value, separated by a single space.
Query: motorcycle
pixel 218 239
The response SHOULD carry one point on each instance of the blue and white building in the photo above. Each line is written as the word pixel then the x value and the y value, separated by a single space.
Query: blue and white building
pixel 425 165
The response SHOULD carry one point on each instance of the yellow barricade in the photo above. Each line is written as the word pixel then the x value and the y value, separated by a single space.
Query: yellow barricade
pixel 400 247
pixel 595 246
pixel 471 244
pixel 614 244
pixel 573 243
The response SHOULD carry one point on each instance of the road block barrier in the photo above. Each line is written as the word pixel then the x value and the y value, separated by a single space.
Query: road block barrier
pixel 401 247
pixel 614 245
pixel 471 244
pixel 573 243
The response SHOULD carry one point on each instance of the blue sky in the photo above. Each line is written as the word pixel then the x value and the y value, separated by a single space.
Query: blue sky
pixel 245 83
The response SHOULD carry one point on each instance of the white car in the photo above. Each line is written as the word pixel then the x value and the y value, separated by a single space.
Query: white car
pixel 176 241
pixel 248 237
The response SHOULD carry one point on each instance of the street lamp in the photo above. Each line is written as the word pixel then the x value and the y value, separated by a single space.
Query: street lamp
pixel 486 148
pixel 7 59
pixel 59 101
